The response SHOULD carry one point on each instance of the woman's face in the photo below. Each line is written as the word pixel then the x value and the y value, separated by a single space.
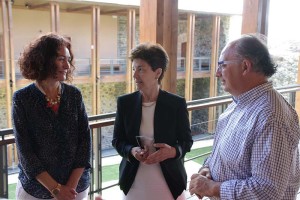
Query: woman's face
pixel 62 63
pixel 145 78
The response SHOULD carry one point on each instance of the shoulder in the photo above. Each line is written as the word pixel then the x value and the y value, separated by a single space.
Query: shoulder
pixel 170 97
pixel 25 91
pixel 129 97
pixel 67 88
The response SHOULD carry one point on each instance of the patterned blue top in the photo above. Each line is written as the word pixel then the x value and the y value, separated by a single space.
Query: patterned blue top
pixel 255 153
pixel 56 143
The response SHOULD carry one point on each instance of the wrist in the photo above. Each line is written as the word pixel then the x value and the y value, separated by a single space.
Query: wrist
pixel 55 191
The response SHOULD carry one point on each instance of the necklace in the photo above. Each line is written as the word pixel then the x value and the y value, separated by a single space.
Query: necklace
pixel 51 103
pixel 148 104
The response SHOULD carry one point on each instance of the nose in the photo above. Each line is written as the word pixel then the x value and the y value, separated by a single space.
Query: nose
pixel 67 64
pixel 218 72
pixel 134 74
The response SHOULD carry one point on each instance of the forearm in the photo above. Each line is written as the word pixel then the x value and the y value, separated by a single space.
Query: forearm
pixel 74 178
pixel 46 180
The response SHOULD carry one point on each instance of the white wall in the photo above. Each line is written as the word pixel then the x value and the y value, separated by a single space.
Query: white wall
pixel 28 24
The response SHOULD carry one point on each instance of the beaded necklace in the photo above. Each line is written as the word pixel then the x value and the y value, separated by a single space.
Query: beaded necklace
pixel 51 103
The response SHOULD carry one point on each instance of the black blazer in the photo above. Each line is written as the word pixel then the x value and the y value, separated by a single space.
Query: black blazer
pixel 171 126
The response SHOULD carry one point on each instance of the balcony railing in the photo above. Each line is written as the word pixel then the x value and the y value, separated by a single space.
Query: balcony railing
pixel 104 122
pixel 115 66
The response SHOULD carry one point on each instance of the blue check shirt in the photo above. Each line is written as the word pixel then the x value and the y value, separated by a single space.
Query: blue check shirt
pixel 255 153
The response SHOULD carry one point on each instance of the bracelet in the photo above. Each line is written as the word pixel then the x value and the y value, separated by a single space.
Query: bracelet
pixel 56 190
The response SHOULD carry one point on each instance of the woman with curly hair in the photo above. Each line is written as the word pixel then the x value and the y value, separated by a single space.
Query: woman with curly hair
pixel 50 124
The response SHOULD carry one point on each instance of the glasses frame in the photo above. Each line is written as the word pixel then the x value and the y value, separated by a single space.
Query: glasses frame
pixel 223 63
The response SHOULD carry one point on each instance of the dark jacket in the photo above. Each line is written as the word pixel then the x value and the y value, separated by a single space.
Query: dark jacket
pixel 171 126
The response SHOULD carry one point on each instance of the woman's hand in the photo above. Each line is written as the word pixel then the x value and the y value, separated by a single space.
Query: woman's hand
pixel 139 153
pixel 164 152
pixel 66 193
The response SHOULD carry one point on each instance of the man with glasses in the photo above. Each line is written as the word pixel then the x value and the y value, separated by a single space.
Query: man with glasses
pixel 255 153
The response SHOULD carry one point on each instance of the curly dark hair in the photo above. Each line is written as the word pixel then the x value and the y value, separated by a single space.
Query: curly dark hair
pixel 38 59
pixel 154 54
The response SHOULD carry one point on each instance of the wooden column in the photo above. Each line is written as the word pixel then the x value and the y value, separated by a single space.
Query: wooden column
pixel 54 17
pixel 95 60
pixel 159 24
pixel 255 16
pixel 189 57
pixel 8 56
pixel 130 86
pixel 213 66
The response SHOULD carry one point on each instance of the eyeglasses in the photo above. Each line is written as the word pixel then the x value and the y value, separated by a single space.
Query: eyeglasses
pixel 222 64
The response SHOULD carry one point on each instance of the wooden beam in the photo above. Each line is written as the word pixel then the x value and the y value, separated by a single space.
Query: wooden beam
pixel 255 16
pixel 7 51
pixel 78 9
pixel 159 24
pixel 29 6
pixel 95 59
pixel 130 86
pixel 54 17
pixel 114 12
pixel 189 57
pixel 213 67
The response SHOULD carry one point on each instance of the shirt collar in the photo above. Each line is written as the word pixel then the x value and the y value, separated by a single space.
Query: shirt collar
pixel 252 94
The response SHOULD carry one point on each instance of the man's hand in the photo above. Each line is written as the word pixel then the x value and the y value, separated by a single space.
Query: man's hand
pixel 204 186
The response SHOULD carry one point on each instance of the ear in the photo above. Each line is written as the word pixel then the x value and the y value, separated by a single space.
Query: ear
pixel 246 66
pixel 158 72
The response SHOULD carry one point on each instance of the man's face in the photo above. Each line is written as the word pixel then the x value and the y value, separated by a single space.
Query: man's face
pixel 229 71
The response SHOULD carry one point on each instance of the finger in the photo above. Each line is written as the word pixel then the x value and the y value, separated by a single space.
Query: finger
pixel 194 176
pixel 160 145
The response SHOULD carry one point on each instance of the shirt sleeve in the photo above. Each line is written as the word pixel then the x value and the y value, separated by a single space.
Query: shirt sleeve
pixel 272 160
pixel 185 140
pixel 29 161
pixel 84 147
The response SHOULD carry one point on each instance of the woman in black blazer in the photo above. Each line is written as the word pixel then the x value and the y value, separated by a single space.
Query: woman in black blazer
pixel 154 114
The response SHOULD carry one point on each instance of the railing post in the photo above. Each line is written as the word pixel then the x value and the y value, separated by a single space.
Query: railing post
pixel 3 172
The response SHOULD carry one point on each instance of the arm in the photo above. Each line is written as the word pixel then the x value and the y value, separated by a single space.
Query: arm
pixel 64 190
pixel 120 140
pixel 272 155
pixel 28 159
pixel 84 147
pixel 183 131
pixel 182 136
pixel 272 159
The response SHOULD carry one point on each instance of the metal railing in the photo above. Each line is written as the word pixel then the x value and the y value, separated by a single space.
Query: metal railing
pixel 115 66
pixel 99 122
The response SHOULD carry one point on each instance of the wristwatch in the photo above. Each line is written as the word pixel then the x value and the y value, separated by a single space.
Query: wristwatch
pixel 56 190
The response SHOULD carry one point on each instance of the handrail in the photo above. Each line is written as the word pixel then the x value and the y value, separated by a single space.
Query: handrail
pixel 97 121
pixel 107 119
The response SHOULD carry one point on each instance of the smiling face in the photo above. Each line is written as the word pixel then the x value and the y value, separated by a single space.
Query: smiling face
pixel 145 78
pixel 62 63
pixel 230 74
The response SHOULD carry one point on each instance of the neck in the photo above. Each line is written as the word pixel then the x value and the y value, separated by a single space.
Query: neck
pixel 50 88
pixel 150 96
